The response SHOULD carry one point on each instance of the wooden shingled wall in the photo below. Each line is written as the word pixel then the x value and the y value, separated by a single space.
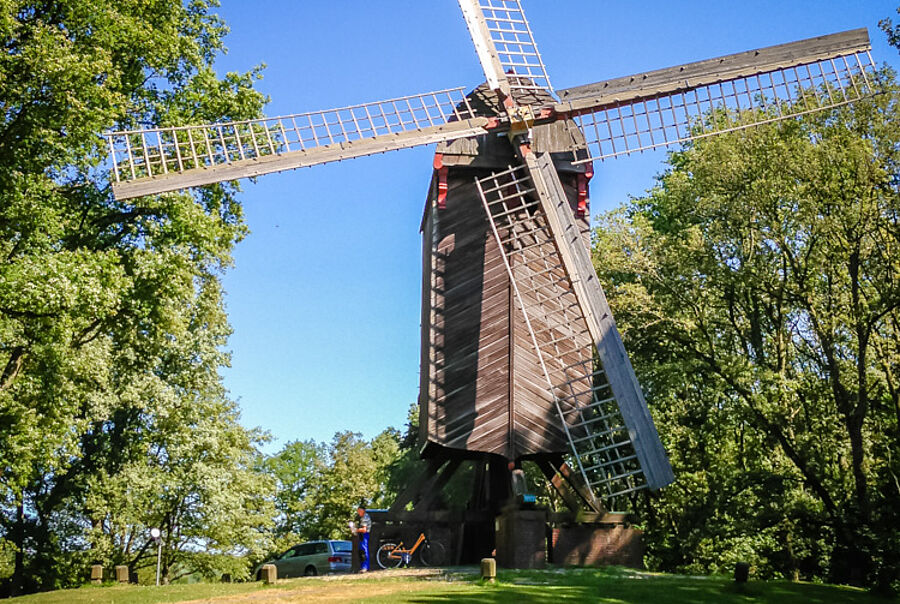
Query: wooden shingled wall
pixel 482 389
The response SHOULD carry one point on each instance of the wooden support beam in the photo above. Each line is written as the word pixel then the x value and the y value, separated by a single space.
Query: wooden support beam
pixel 622 381
pixel 584 492
pixel 415 487
pixel 478 488
pixel 572 501
pixel 574 480
pixel 436 486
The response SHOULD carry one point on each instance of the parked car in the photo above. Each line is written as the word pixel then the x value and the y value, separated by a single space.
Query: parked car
pixel 313 558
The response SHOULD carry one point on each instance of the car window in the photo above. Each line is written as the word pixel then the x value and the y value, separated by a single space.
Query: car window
pixel 306 549
pixel 321 548
pixel 288 554
pixel 342 546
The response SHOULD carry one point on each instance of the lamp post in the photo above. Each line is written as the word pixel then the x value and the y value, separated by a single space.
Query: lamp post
pixel 156 536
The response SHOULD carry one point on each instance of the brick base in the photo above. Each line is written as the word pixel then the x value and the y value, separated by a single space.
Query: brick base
pixel 597 545
pixel 522 538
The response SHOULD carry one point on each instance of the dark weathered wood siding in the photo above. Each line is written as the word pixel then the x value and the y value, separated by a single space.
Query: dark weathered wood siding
pixel 482 386
pixel 465 399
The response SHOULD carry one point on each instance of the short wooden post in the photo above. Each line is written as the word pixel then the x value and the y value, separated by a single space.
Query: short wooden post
pixel 354 557
pixel 488 569
pixel 122 574
pixel 741 572
pixel 97 574
pixel 269 574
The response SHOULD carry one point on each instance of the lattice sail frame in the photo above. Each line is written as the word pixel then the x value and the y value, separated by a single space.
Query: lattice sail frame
pixel 598 438
pixel 618 117
pixel 516 49
pixel 159 152
pixel 617 128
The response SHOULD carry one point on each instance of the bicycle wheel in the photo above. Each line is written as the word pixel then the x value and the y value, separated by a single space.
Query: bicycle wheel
pixel 431 554
pixel 382 556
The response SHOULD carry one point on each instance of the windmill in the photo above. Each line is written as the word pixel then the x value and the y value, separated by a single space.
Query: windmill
pixel 521 358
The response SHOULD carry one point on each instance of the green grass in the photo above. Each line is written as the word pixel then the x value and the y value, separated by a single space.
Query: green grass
pixel 139 594
pixel 614 585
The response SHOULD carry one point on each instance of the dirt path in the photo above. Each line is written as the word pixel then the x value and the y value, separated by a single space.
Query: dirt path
pixel 346 588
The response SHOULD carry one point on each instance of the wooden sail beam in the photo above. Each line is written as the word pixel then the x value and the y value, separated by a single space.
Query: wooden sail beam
pixel 598 316
pixel 619 116
pixel 267 164
pixel 697 100
pixel 484 46
pixel 630 89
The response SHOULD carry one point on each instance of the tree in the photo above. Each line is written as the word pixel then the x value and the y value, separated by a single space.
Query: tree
pixel 319 484
pixel 98 297
pixel 758 288
pixel 297 470
pixel 194 472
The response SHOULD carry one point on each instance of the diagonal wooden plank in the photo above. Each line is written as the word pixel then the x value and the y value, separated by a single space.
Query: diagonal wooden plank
pixel 574 500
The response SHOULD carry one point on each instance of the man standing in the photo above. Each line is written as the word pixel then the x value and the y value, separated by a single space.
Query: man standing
pixel 365 526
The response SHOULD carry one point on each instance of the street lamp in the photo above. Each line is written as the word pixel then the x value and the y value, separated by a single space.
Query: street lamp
pixel 156 536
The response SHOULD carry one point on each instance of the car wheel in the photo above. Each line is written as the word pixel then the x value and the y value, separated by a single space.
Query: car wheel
pixel 310 571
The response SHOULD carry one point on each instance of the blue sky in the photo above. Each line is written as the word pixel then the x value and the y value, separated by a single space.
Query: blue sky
pixel 324 295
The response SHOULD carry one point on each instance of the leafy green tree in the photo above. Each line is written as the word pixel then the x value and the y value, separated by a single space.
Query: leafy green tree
pixel 758 288
pixel 297 470
pixel 351 478
pixel 97 296
pixel 406 464
pixel 194 472
pixel 320 484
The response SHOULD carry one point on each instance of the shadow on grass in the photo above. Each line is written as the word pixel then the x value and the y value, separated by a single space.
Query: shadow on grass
pixel 553 587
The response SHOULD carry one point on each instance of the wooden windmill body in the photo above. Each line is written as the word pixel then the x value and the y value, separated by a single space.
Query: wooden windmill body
pixel 481 386
pixel 521 358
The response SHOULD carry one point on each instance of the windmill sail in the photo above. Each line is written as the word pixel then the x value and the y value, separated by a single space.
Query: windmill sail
pixel 506 48
pixel 155 160
pixel 678 104
pixel 598 400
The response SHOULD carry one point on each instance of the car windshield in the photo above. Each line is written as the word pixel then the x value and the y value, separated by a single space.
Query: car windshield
pixel 342 546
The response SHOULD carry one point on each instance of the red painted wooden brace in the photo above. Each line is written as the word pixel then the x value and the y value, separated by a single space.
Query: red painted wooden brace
pixel 583 190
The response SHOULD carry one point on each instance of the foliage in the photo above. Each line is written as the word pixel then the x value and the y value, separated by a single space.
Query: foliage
pixel 296 470
pixel 758 289
pixel 319 485
pixel 112 414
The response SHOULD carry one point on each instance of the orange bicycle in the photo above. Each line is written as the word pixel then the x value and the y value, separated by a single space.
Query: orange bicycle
pixel 392 555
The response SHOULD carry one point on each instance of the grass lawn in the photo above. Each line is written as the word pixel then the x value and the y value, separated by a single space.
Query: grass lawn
pixel 462 585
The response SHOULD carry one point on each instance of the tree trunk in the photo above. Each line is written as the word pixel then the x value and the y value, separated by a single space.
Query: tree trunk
pixel 13 367
pixel 18 578
pixel 857 458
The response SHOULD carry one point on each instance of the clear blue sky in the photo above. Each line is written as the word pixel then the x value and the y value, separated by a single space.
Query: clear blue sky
pixel 324 295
